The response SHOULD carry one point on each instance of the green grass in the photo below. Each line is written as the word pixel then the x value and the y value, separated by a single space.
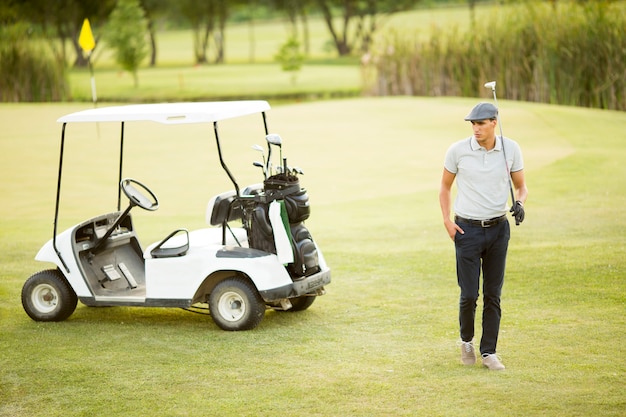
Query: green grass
pixel 233 81
pixel 382 341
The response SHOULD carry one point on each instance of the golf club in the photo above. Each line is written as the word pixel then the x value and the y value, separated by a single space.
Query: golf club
pixel 262 166
pixel 492 85
pixel 274 139
pixel 260 149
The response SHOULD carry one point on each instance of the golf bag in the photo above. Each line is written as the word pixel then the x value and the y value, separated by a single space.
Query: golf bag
pixel 287 188
pixel 296 201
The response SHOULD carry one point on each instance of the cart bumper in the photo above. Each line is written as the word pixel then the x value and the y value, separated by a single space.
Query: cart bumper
pixel 309 285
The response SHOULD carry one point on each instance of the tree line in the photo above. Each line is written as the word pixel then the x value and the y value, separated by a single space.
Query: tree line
pixel 351 23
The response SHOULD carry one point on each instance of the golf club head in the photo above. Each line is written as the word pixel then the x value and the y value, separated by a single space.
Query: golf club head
pixel 274 139
pixel 491 84
pixel 257 148
pixel 262 166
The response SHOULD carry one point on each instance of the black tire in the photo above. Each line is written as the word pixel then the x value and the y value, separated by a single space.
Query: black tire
pixel 46 296
pixel 235 304
pixel 301 303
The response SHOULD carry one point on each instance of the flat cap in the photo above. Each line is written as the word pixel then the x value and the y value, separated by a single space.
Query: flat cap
pixel 482 111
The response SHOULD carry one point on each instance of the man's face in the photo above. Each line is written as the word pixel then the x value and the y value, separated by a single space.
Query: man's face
pixel 483 129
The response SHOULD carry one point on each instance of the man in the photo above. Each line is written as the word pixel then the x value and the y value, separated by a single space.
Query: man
pixel 480 229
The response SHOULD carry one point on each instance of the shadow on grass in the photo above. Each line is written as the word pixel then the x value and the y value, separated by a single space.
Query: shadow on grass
pixel 150 317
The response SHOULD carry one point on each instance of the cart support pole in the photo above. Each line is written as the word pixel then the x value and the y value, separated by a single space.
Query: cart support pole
pixel 219 152
pixel 56 208
pixel 119 180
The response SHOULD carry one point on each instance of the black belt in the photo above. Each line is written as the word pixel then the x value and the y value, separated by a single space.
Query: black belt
pixel 482 223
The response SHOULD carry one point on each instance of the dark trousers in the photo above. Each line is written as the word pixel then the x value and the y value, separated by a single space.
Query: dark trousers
pixel 481 248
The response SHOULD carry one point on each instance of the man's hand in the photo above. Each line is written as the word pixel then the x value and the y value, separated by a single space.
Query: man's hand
pixel 518 212
pixel 452 229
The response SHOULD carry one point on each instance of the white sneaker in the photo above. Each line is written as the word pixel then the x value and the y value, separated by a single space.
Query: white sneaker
pixel 468 356
pixel 492 362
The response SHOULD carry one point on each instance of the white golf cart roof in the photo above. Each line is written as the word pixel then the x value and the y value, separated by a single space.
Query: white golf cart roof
pixel 170 113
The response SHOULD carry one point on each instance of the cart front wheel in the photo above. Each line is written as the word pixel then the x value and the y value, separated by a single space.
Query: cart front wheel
pixel 235 304
pixel 46 296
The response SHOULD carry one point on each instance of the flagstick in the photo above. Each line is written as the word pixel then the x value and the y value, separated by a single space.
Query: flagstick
pixel 94 97
pixel 88 43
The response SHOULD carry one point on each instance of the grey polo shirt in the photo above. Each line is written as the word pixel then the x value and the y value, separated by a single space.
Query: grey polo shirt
pixel 481 177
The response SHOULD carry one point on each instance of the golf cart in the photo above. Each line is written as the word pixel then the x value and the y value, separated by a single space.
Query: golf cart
pixel 255 254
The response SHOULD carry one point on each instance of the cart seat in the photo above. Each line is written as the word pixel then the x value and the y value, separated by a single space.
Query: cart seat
pixel 222 208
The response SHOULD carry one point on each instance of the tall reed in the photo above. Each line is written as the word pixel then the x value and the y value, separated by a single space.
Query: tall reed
pixel 29 71
pixel 561 53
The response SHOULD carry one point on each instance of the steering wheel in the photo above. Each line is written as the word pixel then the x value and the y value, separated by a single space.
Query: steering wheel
pixel 136 197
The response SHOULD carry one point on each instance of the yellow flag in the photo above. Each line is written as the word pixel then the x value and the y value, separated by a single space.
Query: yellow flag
pixel 85 39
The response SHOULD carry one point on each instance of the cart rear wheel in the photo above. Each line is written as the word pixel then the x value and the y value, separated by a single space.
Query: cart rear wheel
pixel 46 296
pixel 235 304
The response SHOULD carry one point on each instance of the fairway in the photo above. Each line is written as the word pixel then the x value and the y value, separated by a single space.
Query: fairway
pixel 382 342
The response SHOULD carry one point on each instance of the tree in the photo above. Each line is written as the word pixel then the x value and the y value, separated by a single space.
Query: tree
pixel 472 7
pixel 359 20
pixel 62 20
pixel 153 10
pixel 208 20
pixel 251 37
pixel 126 33
pixel 9 12
pixel 290 57
pixel 296 9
